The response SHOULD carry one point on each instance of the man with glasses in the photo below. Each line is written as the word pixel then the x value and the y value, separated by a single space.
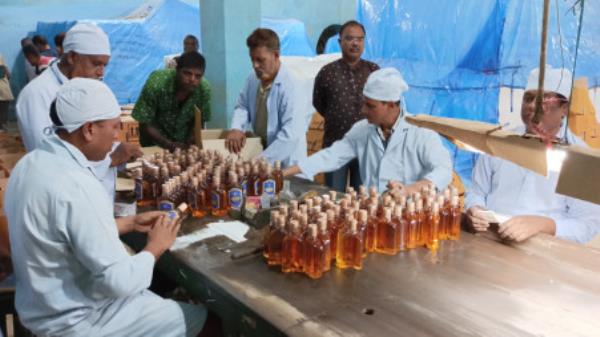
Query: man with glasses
pixel 526 197
pixel 337 96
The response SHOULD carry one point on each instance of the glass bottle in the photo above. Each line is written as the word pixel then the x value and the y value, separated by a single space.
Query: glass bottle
pixel 314 254
pixel 267 183
pixel 349 248
pixel 444 209
pixel 363 217
pixel 218 197
pixel 333 231
pixel 139 186
pixel 386 238
pixel 278 177
pixel 455 217
pixel 433 241
pixel 273 221
pixel 166 202
pixel 372 225
pixel 235 194
pixel 420 222
pixel 291 258
pixel 411 221
pixel 401 229
pixel 325 237
pixel 253 182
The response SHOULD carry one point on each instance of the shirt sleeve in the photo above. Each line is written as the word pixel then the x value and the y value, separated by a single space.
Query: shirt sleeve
pixel 205 93
pixel 333 157
pixel 436 160
pixel 319 93
pixel 580 221
pixel 145 108
pixel 95 243
pixel 292 130
pixel 33 118
pixel 481 183
pixel 241 114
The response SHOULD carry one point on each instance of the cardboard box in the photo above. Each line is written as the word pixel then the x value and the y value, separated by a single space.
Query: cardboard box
pixel 130 130
pixel 214 139
pixel 3 183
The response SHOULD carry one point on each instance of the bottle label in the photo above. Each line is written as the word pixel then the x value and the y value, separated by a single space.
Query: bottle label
pixel 245 187
pixel 256 186
pixel 139 189
pixel 215 200
pixel 236 198
pixel 166 205
pixel 269 187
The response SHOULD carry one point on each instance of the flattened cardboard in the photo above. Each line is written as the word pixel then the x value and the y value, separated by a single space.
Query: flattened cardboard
pixel 580 177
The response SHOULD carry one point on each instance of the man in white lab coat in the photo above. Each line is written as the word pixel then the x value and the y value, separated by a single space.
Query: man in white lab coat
pixel 86 53
pixel 388 149
pixel 526 198
pixel 73 274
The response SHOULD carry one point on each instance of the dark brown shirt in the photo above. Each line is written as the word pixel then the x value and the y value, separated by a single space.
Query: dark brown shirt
pixel 337 95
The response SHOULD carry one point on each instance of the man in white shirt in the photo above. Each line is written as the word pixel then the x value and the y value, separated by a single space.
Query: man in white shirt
pixel 73 274
pixel 528 198
pixel 86 53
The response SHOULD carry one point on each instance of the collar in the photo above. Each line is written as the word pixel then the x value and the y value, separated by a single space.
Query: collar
pixel 73 152
pixel 398 124
pixel 60 77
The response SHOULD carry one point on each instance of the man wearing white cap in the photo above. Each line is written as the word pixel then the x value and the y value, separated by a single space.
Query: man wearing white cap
pixel 386 146
pixel 527 199
pixel 74 277
pixel 86 53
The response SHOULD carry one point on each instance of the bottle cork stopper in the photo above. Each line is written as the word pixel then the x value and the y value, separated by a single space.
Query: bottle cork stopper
pixel 312 230
pixel 387 213
pixel 353 226
pixel 182 208
pixel 333 195
pixel 454 200
pixel 419 204
pixel 362 190
pixel 411 207
pixel 440 200
pixel 435 208
pixel 398 211
pixel 363 215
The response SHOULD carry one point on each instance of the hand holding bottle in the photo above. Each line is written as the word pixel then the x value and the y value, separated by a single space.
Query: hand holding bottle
pixel 162 236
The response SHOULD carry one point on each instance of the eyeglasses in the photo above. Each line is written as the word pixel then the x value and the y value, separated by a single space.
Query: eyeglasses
pixel 349 38
pixel 549 97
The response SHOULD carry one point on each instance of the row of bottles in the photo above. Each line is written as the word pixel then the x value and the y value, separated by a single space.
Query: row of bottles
pixel 207 180
pixel 309 237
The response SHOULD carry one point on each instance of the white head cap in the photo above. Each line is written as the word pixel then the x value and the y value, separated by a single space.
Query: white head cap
pixel 386 85
pixel 88 39
pixel 83 100
pixel 555 80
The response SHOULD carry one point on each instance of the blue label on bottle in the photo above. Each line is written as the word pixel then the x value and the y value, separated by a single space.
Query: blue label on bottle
pixel 269 187
pixel 166 205
pixel 139 189
pixel 215 200
pixel 236 198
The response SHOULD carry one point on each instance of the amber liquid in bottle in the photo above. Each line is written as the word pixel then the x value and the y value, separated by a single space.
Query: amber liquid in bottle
pixel 401 229
pixel 325 237
pixel 363 222
pixel 371 232
pixel 291 258
pixel 235 194
pixel 455 217
pixel 433 240
pixel 411 220
pixel 275 243
pixel 333 231
pixel 196 199
pixel 139 187
pixel 314 254
pixel 278 177
pixel 386 238
pixel 219 204
pixel 444 211
pixel 274 218
pixel 253 182
pixel 349 248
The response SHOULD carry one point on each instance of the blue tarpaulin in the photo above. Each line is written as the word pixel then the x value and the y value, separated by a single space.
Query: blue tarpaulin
pixel 139 45
pixel 455 55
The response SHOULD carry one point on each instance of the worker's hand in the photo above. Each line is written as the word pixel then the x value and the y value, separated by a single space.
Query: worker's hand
pixel 291 171
pixel 144 222
pixel 235 140
pixel 522 227
pixel 477 221
pixel 124 153
pixel 162 236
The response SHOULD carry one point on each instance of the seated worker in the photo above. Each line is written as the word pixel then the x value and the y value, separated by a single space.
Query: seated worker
pixel 190 43
pixel 267 105
pixel 73 274
pixel 86 54
pixel 388 149
pixel 165 108
pixel 529 198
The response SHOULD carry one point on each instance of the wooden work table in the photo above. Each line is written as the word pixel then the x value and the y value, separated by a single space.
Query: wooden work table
pixel 477 286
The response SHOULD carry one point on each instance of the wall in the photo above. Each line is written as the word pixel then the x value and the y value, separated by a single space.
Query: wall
pixel 329 12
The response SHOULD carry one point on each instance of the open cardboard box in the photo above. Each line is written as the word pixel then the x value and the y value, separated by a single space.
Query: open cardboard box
pixel 214 139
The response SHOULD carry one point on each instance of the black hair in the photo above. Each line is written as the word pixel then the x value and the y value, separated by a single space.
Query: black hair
pixel 30 49
pixel 54 114
pixel 191 37
pixel 39 40
pixel 328 32
pixel 59 38
pixel 263 37
pixel 191 59
pixel 352 23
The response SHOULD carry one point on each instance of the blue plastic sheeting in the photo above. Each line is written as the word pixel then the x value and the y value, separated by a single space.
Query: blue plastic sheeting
pixel 333 45
pixel 455 55
pixel 139 45
pixel 292 36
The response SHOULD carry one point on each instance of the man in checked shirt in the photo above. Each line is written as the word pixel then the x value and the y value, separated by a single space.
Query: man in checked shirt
pixel 337 96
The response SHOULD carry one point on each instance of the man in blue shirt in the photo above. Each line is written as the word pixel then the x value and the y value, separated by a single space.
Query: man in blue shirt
pixel 74 276
pixel 388 149
pixel 267 105
pixel 528 199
